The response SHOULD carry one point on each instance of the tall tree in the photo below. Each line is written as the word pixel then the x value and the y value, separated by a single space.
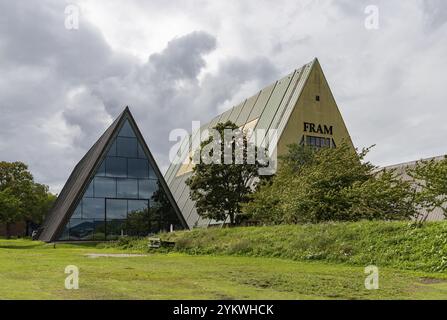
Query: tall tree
pixel 431 179
pixel 22 198
pixel 223 179
pixel 9 209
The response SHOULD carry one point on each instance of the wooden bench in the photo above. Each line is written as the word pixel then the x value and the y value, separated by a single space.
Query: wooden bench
pixel 155 243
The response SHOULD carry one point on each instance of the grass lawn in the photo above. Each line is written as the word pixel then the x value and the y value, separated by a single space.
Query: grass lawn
pixel 32 270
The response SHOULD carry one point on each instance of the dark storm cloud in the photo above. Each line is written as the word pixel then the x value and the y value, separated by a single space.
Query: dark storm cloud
pixel 41 62
pixel 61 88
pixel 166 93
pixel 183 57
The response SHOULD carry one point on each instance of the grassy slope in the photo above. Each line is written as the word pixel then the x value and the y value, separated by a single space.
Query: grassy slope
pixel 385 244
pixel 32 270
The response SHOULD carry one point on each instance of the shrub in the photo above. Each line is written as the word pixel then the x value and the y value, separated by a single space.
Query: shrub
pixel 314 186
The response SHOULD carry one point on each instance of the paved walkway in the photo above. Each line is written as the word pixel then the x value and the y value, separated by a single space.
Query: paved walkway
pixel 114 255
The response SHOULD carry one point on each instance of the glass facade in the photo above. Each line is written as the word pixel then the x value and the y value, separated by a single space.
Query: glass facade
pixel 124 197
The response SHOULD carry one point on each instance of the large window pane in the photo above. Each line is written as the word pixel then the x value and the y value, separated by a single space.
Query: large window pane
pixel 116 209
pixel 146 188
pixel 141 153
pixel 126 147
pixel 127 188
pixel 169 217
pixel 78 211
pixel 102 169
pixel 105 187
pixel 116 167
pixel 81 229
pixel 112 150
pixel 126 130
pixel 89 192
pixel 138 218
pixel 99 230
pixel 152 173
pixel 138 168
pixel 65 233
pixel 93 208
pixel 137 205
pixel 115 229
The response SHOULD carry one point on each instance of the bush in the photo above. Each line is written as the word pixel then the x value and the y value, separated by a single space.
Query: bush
pixel 330 185
pixel 393 244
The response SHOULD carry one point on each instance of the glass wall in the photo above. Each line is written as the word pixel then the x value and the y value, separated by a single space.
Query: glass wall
pixel 124 196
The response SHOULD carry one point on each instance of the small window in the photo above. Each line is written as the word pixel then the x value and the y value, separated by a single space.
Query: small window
pixel 317 98
pixel 318 142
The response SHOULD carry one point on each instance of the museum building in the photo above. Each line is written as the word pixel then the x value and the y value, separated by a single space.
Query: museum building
pixel 117 189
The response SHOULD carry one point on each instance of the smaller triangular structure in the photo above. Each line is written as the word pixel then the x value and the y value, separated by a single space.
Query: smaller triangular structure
pixel 116 189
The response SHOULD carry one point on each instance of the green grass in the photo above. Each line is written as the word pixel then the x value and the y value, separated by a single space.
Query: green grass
pixel 33 270
pixel 398 245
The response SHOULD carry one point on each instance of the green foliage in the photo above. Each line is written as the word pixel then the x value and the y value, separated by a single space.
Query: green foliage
pixel 382 197
pixel 138 222
pixel 219 189
pixel 431 179
pixel 8 206
pixel 317 185
pixel 21 199
pixel 383 243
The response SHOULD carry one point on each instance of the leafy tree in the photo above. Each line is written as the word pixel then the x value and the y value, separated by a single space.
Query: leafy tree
pixel 382 197
pixel 9 212
pixel 316 185
pixel 220 187
pixel 39 202
pixel 431 181
pixel 22 198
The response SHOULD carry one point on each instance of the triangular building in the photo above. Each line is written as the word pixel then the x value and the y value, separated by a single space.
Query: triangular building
pixel 116 189
pixel 300 107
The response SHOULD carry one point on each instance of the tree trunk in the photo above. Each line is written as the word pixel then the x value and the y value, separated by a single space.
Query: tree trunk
pixel 8 230
pixel 231 214
pixel 27 228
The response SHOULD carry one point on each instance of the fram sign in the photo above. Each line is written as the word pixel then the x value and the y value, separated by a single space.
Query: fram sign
pixel 317 128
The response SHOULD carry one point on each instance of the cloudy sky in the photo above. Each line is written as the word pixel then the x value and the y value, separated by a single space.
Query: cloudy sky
pixel 172 62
